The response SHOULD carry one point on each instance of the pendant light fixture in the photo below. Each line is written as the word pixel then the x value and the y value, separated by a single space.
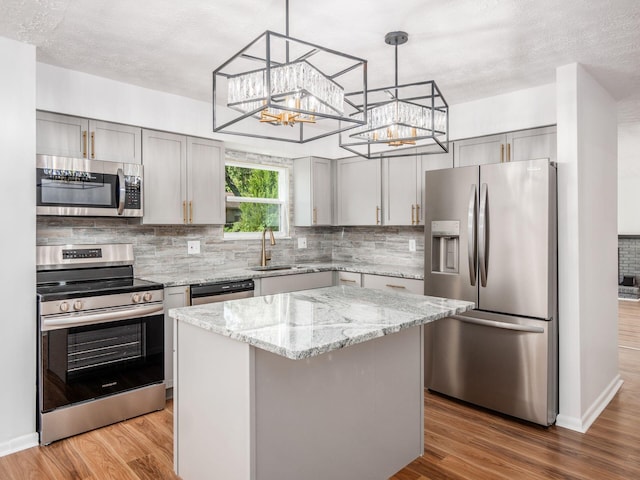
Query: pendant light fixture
pixel 282 88
pixel 402 120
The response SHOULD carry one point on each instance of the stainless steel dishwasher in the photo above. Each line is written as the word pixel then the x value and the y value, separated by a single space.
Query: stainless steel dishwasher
pixel 219 292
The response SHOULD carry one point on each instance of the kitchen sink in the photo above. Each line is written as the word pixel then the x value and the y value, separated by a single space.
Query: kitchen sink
pixel 273 267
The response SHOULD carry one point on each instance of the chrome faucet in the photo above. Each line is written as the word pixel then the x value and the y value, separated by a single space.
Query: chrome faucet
pixel 264 258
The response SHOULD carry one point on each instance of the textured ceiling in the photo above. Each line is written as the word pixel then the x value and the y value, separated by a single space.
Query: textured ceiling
pixel 472 48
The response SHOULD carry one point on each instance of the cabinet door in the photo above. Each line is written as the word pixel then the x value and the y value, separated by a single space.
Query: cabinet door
pixel 165 183
pixel 480 151
pixel 399 190
pixel 533 144
pixel 61 135
pixel 174 297
pixel 393 284
pixel 296 282
pixel 359 191
pixel 114 142
pixel 312 191
pixel 349 278
pixel 205 187
pixel 321 186
pixel 426 163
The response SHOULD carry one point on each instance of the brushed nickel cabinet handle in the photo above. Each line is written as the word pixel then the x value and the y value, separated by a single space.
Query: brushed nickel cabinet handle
pixel 84 144
pixel 413 209
pixel 395 286
pixel 190 211
pixel 377 215
pixel 93 144
pixel 315 215
pixel 508 152
pixel 502 153
pixel 347 280
pixel 184 212
pixel 417 214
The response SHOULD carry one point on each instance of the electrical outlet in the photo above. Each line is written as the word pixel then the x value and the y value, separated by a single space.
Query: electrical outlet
pixel 412 245
pixel 193 247
pixel 302 242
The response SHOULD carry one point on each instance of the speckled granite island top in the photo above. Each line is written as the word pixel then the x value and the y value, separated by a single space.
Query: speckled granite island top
pixel 311 322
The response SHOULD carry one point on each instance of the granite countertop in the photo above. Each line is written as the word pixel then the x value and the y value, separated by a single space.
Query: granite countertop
pixel 233 274
pixel 311 322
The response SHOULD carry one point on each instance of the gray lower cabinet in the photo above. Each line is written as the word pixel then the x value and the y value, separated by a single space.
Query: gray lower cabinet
pixel 293 283
pixel 174 297
pixel 348 278
pixel 393 284
pixel 77 137
pixel 184 179
pixel 509 147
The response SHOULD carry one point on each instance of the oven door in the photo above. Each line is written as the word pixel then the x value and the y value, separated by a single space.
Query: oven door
pixel 72 186
pixel 92 361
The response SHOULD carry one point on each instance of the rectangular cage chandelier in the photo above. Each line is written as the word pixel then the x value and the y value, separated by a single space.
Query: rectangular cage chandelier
pixel 286 89
pixel 401 120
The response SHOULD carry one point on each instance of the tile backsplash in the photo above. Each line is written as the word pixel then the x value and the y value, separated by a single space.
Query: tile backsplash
pixel 161 249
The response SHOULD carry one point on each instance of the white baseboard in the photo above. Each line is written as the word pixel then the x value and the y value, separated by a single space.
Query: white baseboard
pixel 17 444
pixel 629 299
pixel 593 412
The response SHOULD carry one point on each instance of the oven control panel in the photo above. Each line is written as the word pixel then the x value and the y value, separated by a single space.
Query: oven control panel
pixel 78 253
pixel 101 302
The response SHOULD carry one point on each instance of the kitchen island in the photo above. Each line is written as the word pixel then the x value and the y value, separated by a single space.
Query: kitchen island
pixel 316 384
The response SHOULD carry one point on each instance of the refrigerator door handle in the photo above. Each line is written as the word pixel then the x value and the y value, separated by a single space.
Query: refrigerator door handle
pixel 471 227
pixel 501 325
pixel 482 235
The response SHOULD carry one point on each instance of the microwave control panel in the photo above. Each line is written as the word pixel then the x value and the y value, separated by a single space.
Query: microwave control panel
pixel 132 196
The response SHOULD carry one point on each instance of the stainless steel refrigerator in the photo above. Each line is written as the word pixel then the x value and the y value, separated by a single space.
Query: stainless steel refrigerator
pixel 491 238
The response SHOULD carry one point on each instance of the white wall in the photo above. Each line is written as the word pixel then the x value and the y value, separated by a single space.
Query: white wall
pixel 17 247
pixel 75 93
pixel 628 178
pixel 587 244
pixel 528 108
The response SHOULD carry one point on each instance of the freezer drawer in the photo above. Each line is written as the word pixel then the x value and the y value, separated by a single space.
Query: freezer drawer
pixel 500 362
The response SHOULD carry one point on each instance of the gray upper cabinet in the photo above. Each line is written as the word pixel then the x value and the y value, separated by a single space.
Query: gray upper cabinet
pixel 533 144
pixel 509 147
pixel 400 195
pixel 480 151
pixel 205 181
pixel 403 186
pixel 184 179
pixel 77 137
pixel 431 162
pixel 114 142
pixel 313 191
pixel 359 191
pixel 61 135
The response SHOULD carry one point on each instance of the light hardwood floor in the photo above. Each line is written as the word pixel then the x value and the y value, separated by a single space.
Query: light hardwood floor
pixel 461 442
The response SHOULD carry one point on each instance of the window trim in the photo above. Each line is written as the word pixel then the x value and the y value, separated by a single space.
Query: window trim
pixel 282 200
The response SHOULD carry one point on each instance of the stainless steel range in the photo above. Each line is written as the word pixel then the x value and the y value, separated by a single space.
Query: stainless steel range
pixel 101 339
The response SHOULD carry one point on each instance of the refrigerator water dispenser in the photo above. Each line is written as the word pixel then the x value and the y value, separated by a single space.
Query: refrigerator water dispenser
pixel 445 246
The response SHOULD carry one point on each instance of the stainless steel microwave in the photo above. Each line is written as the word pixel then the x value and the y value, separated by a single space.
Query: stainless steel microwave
pixel 78 186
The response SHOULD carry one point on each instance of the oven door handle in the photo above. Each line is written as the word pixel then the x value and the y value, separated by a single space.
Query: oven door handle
pixel 122 191
pixel 103 317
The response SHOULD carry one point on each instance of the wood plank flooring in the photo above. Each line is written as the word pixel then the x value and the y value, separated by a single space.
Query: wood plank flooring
pixel 461 442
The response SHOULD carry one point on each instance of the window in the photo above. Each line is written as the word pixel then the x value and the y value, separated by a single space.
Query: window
pixel 256 198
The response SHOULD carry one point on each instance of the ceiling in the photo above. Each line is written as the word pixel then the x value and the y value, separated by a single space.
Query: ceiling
pixel 471 48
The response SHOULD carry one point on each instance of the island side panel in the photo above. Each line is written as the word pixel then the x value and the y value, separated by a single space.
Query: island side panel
pixel 350 414
pixel 213 406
